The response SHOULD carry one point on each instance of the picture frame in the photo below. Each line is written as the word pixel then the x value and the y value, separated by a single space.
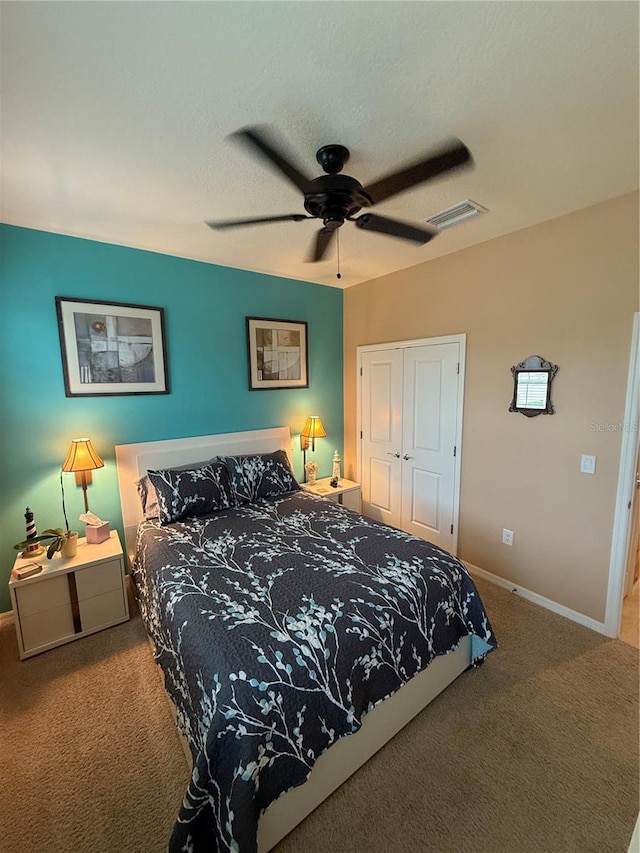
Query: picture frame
pixel 277 352
pixel 111 348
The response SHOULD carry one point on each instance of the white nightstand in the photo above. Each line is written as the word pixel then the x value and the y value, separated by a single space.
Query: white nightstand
pixel 70 598
pixel 346 493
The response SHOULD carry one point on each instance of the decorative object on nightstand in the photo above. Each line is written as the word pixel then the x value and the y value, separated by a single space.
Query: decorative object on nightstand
pixel 27 571
pixel 312 429
pixel 56 539
pixel 34 548
pixel 68 599
pixel 335 469
pixel 311 469
pixel 82 459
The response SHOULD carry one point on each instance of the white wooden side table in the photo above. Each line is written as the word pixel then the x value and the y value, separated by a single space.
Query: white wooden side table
pixel 69 598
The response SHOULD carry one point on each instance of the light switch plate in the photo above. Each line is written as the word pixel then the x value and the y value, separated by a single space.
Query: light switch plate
pixel 588 464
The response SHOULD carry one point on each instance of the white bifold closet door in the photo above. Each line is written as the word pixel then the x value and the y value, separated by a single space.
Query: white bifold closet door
pixel 409 422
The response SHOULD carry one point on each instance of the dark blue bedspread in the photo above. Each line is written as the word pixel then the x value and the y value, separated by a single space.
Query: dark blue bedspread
pixel 278 625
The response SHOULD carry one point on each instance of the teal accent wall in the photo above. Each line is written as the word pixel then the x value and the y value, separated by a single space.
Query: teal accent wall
pixel 205 309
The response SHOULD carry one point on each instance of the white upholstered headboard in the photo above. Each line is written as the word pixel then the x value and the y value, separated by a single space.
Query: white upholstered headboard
pixel 134 460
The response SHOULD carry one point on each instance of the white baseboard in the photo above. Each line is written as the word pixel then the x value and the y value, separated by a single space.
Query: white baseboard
pixel 560 609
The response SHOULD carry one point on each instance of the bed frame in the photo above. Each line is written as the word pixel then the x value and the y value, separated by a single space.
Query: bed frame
pixel 380 724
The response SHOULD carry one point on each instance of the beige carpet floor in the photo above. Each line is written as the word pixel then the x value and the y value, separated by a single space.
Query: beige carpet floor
pixel 535 752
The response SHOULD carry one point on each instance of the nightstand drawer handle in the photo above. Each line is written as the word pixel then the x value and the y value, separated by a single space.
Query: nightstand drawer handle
pixel 396 454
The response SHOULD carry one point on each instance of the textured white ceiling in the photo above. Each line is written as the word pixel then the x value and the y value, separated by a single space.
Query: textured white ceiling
pixel 114 118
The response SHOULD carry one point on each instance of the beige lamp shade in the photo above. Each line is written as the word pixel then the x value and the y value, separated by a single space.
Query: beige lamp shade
pixel 313 429
pixel 82 456
pixel 83 459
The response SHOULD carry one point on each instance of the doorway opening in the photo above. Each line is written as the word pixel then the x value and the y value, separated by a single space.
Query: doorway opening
pixel 630 620
pixel 625 524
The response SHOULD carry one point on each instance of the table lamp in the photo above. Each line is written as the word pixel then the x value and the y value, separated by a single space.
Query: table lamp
pixel 82 459
pixel 312 429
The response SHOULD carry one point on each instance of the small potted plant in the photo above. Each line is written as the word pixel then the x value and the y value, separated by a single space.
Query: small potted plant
pixel 58 539
pixel 65 541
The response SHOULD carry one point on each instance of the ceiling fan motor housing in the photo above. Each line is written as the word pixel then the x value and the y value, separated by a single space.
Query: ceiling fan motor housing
pixel 332 158
pixel 334 198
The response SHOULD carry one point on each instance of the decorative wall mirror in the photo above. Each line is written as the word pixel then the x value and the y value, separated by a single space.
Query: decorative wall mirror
pixel 532 380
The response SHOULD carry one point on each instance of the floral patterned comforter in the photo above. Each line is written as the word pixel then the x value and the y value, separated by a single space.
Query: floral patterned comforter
pixel 278 625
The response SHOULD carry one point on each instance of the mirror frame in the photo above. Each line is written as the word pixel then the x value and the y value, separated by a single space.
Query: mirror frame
pixel 533 364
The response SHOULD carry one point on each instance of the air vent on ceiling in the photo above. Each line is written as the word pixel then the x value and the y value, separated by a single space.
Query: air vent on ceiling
pixel 456 215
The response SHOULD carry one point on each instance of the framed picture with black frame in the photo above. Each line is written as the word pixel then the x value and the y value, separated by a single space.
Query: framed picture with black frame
pixel 278 353
pixel 111 348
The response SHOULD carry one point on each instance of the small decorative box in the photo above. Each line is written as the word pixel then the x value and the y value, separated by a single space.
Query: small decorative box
pixel 97 533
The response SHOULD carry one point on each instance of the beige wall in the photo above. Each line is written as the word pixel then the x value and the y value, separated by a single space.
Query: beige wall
pixel 566 290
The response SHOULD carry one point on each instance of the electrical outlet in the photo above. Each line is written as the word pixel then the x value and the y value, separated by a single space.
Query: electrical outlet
pixel 507 537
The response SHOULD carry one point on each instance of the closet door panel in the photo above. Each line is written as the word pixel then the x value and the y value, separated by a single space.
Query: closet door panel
pixel 381 486
pixel 429 429
pixel 425 423
pixel 425 500
pixel 381 443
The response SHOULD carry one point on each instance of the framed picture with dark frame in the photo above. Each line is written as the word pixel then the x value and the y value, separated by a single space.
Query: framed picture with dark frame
pixel 278 354
pixel 111 348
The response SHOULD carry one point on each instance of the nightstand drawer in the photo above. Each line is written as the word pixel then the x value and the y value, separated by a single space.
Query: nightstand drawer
pixel 99 579
pixel 44 595
pixel 102 609
pixel 50 625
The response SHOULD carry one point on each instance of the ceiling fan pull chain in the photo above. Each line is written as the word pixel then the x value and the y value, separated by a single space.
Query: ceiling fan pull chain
pixel 338 276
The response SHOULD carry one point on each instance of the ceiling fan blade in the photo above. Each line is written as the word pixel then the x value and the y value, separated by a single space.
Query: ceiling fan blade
pixel 452 156
pixel 395 228
pixel 234 223
pixel 320 245
pixel 258 141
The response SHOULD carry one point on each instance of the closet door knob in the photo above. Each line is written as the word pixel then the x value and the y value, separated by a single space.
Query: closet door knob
pixel 406 458
pixel 396 454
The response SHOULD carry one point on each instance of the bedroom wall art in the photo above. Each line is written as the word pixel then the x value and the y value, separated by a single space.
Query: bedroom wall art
pixel 111 348
pixel 277 353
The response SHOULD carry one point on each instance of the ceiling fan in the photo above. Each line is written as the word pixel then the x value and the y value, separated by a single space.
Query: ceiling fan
pixel 334 198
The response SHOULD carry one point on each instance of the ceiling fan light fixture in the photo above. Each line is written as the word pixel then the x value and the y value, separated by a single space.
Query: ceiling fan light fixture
pixel 456 215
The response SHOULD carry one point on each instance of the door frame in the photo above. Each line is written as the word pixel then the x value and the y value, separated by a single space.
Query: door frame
pixel 460 339
pixel 626 485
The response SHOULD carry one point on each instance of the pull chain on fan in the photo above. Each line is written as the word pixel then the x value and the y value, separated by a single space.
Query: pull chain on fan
pixel 335 198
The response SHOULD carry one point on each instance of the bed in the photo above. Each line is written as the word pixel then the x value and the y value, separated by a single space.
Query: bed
pixel 296 637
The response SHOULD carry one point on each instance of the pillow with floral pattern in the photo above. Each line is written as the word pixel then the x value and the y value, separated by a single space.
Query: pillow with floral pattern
pixel 191 492
pixel 260 475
